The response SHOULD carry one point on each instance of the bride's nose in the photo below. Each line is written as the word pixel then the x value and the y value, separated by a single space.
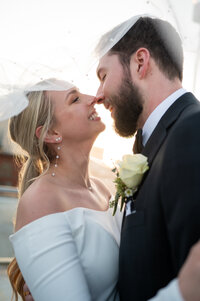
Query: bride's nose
pixel 91 100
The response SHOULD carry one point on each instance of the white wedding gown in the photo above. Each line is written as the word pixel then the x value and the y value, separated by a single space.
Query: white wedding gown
pixel 71 255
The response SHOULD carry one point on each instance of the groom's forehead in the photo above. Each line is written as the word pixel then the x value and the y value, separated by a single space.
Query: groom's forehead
pixel 102 61
pixel 101 66
pixel 107 61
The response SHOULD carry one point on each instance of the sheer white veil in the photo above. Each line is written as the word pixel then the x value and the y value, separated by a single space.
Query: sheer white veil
pixel 114 35
pixel 73 44
pixel 35 77
pixel 110 38
pixel 42 39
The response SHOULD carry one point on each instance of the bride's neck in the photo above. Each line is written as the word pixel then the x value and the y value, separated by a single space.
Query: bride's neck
pixel 72 166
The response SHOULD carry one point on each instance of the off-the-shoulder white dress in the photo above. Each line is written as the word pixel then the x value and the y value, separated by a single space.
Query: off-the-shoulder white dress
pixel 73 256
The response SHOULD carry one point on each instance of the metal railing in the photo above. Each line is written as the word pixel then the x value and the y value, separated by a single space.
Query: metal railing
pixel 8 191
pixel 5 260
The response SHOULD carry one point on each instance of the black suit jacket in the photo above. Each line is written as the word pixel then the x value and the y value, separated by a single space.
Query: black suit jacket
pixel 157 238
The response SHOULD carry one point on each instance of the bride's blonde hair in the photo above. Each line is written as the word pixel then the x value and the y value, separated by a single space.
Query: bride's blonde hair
pixel 35 160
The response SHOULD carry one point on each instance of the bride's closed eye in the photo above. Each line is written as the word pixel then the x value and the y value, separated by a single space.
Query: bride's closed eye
pixel 75 99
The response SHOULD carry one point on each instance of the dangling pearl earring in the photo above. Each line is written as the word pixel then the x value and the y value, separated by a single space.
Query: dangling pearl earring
pixel 57 157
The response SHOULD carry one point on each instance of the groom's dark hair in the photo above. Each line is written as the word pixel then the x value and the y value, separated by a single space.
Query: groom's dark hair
pixel 159 37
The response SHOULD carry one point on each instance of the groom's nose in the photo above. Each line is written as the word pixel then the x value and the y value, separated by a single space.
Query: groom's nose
pixel 100 97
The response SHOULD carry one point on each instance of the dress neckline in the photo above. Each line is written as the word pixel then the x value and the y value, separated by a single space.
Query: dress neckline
pixel 63 212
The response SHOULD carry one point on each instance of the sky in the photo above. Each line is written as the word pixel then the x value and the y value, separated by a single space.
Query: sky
pixel 60 34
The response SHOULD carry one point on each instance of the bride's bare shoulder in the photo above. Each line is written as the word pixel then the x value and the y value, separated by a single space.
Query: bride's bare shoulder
pixel 38 200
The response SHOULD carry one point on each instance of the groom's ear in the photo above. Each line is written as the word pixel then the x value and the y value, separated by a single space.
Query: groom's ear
pixel 50 136
pixel 140 62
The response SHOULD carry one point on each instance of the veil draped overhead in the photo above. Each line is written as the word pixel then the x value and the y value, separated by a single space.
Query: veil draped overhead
pixel 16 81
pixel 56 40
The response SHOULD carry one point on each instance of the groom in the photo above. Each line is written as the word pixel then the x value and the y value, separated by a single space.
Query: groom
pixel 140 77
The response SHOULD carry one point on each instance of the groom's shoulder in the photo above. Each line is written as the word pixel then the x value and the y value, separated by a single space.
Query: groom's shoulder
pixel 184 133
pixel 185 128
pixel 192 104
pixel 190 118
pixel 189 114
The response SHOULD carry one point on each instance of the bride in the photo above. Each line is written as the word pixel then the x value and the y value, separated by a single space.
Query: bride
pixel 65 231
pixel 66 240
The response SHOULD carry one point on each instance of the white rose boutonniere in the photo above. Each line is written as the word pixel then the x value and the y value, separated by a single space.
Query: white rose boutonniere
pixel 129 176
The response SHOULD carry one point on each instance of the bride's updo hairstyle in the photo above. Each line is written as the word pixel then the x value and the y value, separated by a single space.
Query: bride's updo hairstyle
pixel 36 154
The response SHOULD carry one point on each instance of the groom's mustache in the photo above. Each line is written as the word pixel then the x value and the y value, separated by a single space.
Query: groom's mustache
pixel 106 102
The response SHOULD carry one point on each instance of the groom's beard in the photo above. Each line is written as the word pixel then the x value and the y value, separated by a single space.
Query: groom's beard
pixel 128 105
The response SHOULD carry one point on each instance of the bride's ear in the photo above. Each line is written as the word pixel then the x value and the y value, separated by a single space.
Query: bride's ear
pixel 50 137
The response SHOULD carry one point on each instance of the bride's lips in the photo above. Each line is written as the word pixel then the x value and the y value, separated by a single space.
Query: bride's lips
pixel 93 116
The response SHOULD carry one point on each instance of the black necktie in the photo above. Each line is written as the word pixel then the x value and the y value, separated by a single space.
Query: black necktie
pixel 138 146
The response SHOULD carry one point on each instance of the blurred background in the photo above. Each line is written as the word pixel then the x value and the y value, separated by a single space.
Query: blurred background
pixel 55 38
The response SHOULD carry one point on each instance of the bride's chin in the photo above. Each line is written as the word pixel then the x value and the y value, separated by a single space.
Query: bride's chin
pixel 103 127
pixel 100 130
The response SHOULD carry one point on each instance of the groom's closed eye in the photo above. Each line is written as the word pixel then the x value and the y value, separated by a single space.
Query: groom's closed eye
pixel 101 74
pixel 103 77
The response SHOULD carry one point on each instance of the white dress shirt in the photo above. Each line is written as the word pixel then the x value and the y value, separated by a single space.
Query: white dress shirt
pixel 157 114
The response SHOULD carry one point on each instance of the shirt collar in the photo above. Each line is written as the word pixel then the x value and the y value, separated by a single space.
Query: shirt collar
pixel 157 114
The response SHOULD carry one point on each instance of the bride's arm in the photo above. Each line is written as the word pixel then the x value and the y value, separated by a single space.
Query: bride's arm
pixel 47 256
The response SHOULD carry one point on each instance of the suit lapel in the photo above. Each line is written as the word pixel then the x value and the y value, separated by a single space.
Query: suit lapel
pixel 154 143
pixel 169 118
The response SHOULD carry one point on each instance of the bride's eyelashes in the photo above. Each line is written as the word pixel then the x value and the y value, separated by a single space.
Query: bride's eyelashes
pixel 75 99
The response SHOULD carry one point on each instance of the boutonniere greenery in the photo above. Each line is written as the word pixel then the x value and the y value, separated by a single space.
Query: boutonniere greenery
pixel 129 174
